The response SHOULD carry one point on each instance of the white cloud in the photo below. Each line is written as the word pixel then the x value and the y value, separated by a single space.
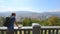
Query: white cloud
pixel 12 9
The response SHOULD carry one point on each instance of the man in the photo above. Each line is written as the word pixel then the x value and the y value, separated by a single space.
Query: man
pixel 11 25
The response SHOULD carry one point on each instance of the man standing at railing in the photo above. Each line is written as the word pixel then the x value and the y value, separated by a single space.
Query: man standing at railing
pixel 10 27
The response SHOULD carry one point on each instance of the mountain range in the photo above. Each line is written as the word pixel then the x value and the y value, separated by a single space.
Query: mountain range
pixel 27 14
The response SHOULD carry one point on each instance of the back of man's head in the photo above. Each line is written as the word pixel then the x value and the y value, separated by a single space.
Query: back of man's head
pixel 13 14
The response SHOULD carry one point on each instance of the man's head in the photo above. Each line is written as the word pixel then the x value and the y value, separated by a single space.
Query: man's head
pixel 13 14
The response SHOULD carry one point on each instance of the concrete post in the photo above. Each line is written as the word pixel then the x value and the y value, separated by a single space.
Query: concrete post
pixel 36 28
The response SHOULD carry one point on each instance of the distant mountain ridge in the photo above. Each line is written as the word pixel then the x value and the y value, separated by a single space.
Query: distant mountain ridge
pixel 32 14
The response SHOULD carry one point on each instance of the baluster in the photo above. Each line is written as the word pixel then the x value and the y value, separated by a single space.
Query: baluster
pixel 2 31
pixel 41 31
pixel 5 31
pixel 49 32
pixel 24 31
pixel 28 31
pixel 45 31
pixel 53 31
pixel 20 31
pixel 15 31
pixel 57 31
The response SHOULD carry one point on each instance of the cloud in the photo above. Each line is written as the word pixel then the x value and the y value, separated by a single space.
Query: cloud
pixel 12 9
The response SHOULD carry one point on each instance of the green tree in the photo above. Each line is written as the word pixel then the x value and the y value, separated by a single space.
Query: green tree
pixel 29 21
pixel 2 21
pixel 26 22
pixel 53 21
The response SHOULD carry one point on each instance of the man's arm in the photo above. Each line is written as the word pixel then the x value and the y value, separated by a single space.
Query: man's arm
pixel 16 23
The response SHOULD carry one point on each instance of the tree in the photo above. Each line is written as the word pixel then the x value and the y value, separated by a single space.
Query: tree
pixel 26 22
pixel 29 21
pixel 53 20
pixel 2 21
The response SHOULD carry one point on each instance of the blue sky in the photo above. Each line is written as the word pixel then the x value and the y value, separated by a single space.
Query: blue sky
pixel 30 5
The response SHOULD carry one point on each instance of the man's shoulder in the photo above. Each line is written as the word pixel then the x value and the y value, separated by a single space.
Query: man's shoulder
pixel 12 17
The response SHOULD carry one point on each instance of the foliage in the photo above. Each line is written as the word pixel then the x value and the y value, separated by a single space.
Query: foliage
pixel 2 21
pixel 29 21
pixel 54 21
pixel 26 22
pixel 51 21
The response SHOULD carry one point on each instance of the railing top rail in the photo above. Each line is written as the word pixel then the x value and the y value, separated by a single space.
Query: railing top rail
pixel 26 27
pixel 30 27
pixel 50 26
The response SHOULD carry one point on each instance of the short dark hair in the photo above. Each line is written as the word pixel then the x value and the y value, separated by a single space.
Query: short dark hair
pixel 13 14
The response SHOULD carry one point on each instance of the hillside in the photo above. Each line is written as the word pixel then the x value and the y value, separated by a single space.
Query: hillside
pixel 32 14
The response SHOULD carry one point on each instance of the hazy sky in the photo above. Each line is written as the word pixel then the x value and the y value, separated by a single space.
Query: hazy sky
pixel 30 5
